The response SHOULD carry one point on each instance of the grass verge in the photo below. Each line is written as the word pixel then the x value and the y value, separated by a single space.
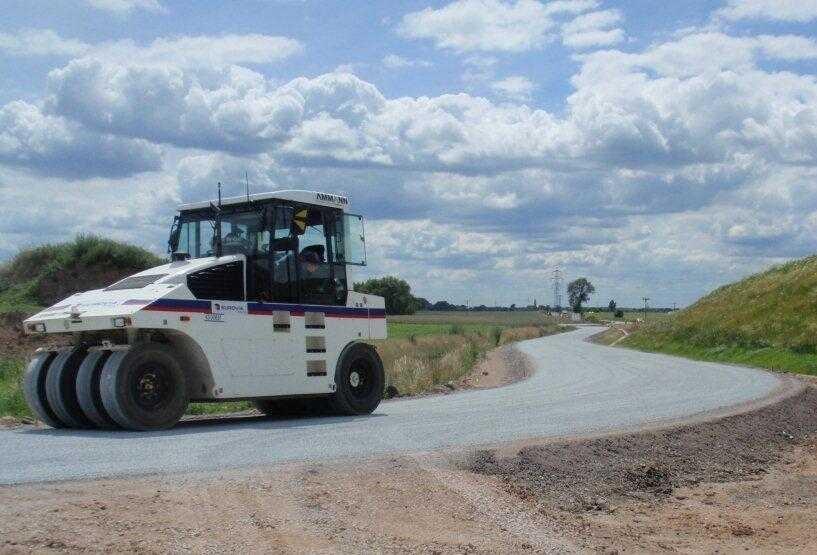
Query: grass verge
pixel 12 402
pixel 416 362
pixel 771 358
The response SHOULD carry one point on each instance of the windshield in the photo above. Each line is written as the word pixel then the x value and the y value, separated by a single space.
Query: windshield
pixel 241 233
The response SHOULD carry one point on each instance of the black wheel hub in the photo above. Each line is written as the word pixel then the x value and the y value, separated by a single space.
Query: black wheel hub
pixel 151 386
pixel 361 378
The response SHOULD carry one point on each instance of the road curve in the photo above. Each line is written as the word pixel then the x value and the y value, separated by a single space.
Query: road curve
pixel 578 388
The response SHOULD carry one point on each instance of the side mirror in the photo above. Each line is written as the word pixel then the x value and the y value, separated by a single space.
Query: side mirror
pixel 173 240
pixel 179 256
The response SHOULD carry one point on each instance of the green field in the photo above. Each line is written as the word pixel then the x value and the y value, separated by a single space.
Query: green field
pixel 768 320
pixel 401 330
pixel 472 318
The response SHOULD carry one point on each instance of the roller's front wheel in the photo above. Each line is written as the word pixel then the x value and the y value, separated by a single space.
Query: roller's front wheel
pixel 144 388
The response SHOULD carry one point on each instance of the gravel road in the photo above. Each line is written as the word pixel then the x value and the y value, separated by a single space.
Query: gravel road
pixel 577 388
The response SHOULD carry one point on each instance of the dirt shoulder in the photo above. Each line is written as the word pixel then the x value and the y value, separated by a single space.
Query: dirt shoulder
pixel 747 481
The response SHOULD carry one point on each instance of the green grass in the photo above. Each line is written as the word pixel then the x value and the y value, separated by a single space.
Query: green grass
pixel 629 316
pixel 767 320
pixel 12 402
pixel 772 358
pixel 218 408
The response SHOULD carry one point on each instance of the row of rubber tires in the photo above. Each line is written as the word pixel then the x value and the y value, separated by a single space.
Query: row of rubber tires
pixel 143 387
pixel 77 387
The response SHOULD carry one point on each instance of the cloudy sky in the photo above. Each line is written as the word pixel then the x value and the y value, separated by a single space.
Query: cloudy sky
pixel 658 148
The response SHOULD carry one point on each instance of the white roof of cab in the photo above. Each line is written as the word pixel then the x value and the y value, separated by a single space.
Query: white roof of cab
pixel 306 197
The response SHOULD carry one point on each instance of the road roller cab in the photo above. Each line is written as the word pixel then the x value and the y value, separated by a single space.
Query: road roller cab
pixel 253 304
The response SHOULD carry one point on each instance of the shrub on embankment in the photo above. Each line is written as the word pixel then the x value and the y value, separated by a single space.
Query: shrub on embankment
pixel 41 276
pixel 767 320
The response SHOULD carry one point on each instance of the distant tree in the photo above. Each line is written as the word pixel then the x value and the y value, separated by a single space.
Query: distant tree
pixel 578 292
pixel 612 306
pixel 619 314
pixel 422 303
pixel 395 291
pixel 442 305
pixel 513 306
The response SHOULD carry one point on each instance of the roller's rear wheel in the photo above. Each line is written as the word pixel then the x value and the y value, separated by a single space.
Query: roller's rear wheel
pixel 61 389
pixel 144 388
pixel 89 396
pixel 359 380
pixel 34 388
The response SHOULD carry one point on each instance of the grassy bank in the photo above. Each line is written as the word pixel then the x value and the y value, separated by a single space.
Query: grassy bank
pixel 768 320
pixel 654 339
pixel 43 275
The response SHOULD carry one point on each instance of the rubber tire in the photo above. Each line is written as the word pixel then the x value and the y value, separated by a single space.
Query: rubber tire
pixel 34 388
pixel 61 388
pixel 88 394
pixel 117 398
pixel 343 401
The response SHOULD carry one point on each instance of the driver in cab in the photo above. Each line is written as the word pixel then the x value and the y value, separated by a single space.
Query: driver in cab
pixel 313 281
pixel 235 242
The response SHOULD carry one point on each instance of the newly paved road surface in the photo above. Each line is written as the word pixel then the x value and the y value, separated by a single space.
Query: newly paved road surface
pixel 578 388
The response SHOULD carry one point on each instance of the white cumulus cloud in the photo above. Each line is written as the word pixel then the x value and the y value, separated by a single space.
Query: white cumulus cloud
pixel 593 29
pixel 126 6
pixel 515 87
pixel 799 11
pixel 490 25
pixel 51 145
pixel 40 42
pixel 393 61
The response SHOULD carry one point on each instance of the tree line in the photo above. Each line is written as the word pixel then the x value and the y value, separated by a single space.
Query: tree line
pixel 400 300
